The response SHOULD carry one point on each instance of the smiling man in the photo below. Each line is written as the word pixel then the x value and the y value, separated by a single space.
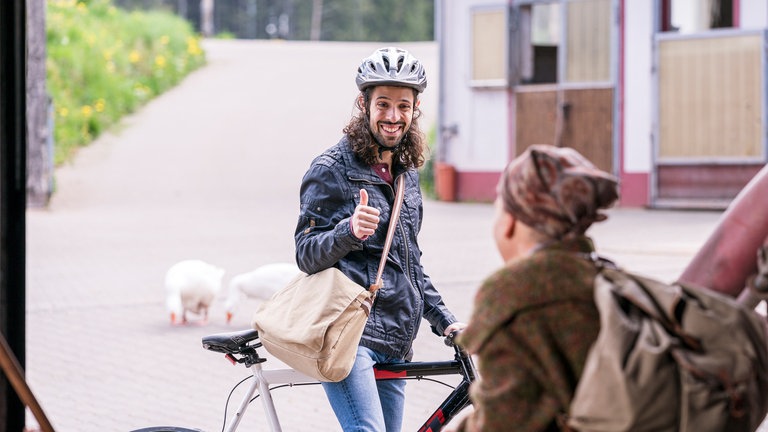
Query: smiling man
pixel 347 196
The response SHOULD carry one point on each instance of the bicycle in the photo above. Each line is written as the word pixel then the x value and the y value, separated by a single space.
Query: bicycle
pixel 241 347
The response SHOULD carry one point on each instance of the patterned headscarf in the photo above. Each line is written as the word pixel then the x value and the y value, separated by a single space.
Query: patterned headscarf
pixel 556 190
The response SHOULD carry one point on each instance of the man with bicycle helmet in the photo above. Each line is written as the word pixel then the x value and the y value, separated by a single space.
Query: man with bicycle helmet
pixel 346 197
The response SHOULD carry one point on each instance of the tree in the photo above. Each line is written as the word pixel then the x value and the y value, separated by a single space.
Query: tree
pixel 328 20
pixel 39 152
pixel 378 20
pixel 317 20
pixel 206 17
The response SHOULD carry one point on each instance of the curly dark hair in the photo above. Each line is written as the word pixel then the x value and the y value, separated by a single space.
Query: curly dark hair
pixel 410 151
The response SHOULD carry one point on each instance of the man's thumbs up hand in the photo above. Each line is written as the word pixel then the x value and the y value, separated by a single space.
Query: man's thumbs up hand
pixel 365 219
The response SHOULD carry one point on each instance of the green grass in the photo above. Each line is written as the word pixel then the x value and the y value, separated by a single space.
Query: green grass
pixel 104 62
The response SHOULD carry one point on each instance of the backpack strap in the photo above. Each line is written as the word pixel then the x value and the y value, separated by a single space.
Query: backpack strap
pixel 599 261
pixel 633 289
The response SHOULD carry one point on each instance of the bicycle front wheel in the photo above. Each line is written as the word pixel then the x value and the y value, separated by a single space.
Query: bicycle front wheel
pixel 166 429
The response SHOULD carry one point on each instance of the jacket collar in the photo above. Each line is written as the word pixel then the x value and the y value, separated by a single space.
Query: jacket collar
pixel 357 169
pixel 523 296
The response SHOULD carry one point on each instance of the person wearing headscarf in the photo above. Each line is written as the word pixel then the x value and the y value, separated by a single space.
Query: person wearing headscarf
pixel 534 320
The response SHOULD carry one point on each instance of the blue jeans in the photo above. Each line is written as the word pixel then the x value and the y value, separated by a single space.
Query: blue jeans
pixel 361 403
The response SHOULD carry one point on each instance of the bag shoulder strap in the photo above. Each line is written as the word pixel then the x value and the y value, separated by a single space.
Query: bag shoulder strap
pixel 390 232
pixel 642 297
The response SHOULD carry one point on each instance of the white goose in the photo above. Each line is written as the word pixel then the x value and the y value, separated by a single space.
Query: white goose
pixel 260 283
pixel 191 286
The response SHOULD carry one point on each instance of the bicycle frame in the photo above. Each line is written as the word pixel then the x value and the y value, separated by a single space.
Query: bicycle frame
pixel 245 344
pixel 459 397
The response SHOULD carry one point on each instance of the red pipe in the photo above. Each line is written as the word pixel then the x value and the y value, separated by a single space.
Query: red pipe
pixel 729 255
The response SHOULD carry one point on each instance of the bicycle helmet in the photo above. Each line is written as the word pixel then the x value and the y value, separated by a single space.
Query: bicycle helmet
pixel 391 66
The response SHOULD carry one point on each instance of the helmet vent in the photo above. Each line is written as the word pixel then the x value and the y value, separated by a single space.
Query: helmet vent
pixel 391 66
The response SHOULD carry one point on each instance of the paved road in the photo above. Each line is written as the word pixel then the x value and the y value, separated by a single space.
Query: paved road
pixel 210 170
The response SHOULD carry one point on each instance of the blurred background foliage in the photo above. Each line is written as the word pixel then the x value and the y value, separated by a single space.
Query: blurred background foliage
pixel 106 58
pixel 104 62
pixel 335 20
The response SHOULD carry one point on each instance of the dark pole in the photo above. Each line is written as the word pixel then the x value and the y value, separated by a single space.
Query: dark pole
pixel 13 139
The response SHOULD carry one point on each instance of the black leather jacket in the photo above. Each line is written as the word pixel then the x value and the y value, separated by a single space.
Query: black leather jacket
pixel 330 191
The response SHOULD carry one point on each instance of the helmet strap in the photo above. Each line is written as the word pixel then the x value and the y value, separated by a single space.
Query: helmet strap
pixel 383 148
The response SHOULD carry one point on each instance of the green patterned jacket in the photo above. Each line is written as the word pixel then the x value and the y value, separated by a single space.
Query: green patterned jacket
pixel 532 326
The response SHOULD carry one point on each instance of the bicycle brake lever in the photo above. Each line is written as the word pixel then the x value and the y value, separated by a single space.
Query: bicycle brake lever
pixel 449 339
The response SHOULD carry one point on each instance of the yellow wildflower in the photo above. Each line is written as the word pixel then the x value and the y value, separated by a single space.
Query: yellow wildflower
pixel 141 90
pixel 160 61
pixel 81 7
pixel 134 56
pixel 100 105
pixel 63 111
pixel 193 47
pixel 86 110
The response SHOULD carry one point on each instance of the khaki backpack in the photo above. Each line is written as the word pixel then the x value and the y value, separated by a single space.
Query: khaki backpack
pixel 670 358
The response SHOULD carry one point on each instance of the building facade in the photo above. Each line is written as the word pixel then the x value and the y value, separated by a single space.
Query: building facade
pixel 669 95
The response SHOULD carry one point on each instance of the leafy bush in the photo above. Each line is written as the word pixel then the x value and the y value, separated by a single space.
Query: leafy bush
pixel 427 174
pixel 103 63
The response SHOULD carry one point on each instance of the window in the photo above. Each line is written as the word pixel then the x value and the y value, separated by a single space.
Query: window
pixel 693 16
pixel 565 40
pixel 489 47
pixel 545 38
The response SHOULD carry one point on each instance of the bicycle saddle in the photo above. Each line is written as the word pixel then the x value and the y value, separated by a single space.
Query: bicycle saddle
pixel 231 342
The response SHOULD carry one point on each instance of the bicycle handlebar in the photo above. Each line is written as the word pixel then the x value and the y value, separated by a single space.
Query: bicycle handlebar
pixel 450 338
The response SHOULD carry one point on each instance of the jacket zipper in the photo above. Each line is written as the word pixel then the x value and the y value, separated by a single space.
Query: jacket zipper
pixel 407 269
pixel 407 254
pixel 408 272
pixel 399 227
pixel 370 182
